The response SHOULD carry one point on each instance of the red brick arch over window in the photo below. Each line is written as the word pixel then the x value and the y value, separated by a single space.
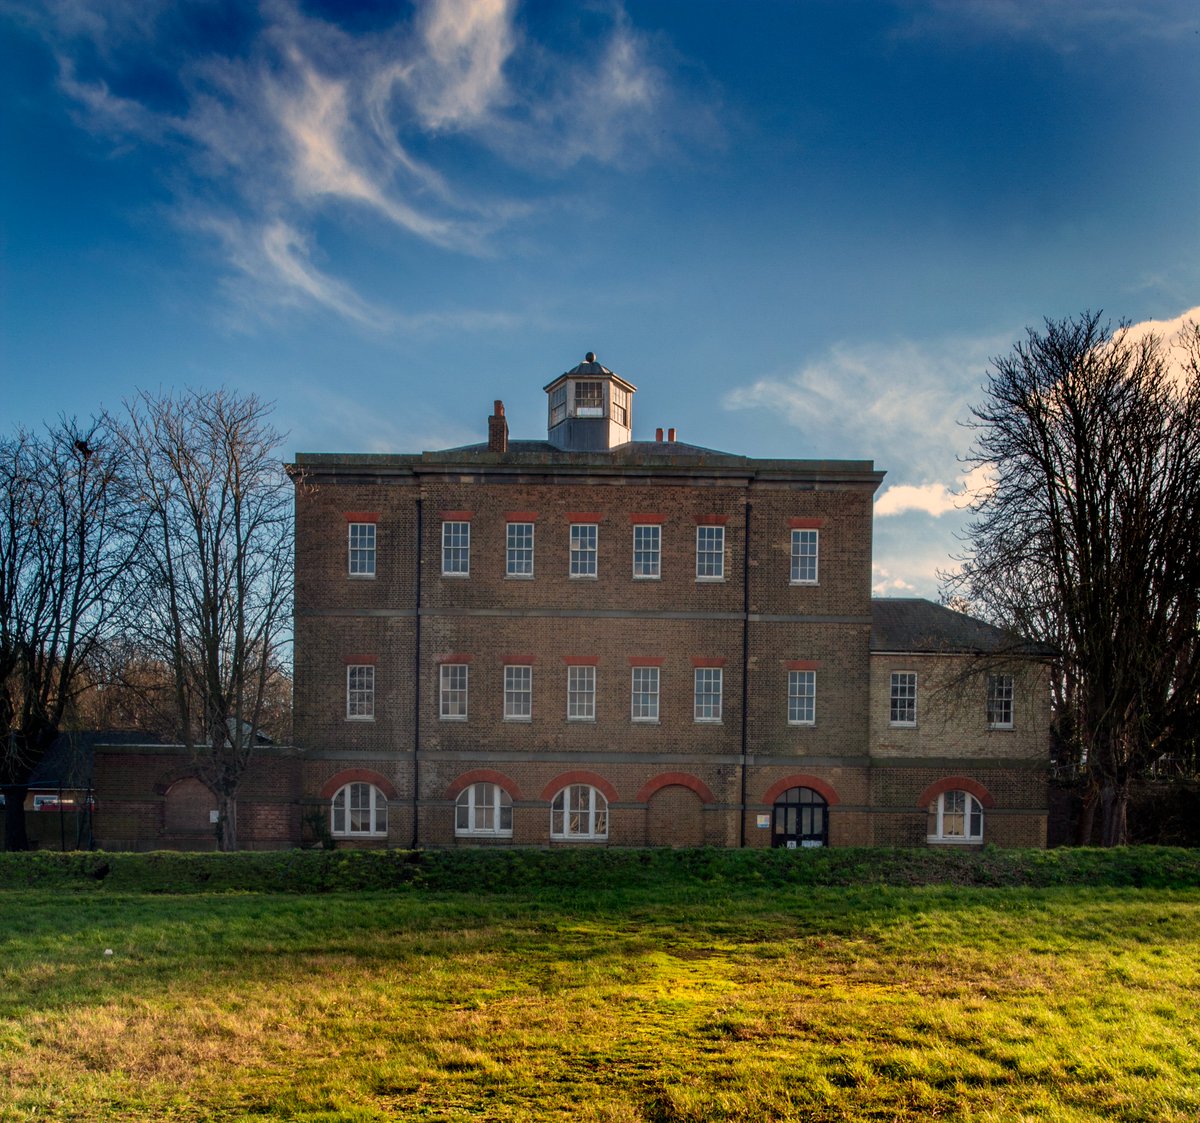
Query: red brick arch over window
pixel 174 777
pixel 801 780
pixel 579 777
pixel 956 784
pixel 358 776
pixel 482 776
pixel 675 779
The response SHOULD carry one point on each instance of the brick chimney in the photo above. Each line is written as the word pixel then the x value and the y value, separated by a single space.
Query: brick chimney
pixel 498 429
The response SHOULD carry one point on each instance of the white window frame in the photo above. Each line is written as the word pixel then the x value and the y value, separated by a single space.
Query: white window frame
pixel 584 562
pixel 802 697
pixel 710 553
pixel 579 811
pixel 456 548
pixel 483 810
pixel 647 552
pixel 1000 698
pixel 644 686
pixel 708 684
pixel 581 693
pixel 454 683
pixel 518 692
pixel 518 550
pixel 360 692
pixel 903 700
pixel 619 405
pixel 558 405
pixel 806 562
pixel 360 549
pixel 956 818
pixel 348 801
pixel 592 401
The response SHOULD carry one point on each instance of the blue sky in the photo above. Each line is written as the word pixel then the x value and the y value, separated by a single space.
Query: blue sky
pixel 801 229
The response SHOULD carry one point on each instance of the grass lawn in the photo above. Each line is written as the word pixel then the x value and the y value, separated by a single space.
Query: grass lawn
pixel 682 1003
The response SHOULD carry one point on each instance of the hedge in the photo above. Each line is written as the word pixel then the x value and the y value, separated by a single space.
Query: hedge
pixel 522 870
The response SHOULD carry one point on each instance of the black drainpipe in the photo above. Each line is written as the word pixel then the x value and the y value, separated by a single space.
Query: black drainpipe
pixel 416 769
pixel 745 662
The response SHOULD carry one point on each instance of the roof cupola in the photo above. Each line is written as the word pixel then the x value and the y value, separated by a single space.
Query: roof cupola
pixel 590 408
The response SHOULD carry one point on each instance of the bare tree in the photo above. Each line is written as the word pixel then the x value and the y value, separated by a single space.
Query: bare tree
pixel 1090 540
pixel 68 530
pixel 219 564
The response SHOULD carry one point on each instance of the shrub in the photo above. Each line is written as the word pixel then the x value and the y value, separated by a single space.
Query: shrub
pixel 523 870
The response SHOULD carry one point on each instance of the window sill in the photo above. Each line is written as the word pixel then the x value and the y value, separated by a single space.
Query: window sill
pixel 456 576
pixel 582 576
pixel 1001 729
pixel 934 840
pixel 360 717
pixel 581 720
pixel 442 717
pixel 518 577
pixel 483 834
pixel 644 721
pixel 647 576
pixel 809 584
pixel 360 576
pixel 707 721
pixel 803 724
pixel 519 720
pixel 710 580
pixel 902 725
pixel 351 835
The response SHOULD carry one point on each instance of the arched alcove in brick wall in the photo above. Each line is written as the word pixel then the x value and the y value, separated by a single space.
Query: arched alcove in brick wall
pixel 188 807
pixel 674 817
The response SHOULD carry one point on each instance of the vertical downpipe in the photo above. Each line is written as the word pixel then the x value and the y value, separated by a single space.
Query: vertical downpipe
pixel 416 723
pixel 745 662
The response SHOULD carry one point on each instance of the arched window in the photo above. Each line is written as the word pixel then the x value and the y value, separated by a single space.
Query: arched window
pixel 579 811
pixel 800 818
pixel 358 810
pixel 483 809
pixel 956 817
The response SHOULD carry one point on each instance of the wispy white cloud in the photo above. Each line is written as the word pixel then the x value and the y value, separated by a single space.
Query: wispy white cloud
pixel 608 107
pixel 458 79
pixel 936 498
pixel 99 107
pixel 273 270
pixel 301 120
pixel 321 416
pixel 1061 25
pixel 910 558
pixel 905 405
pixel 886 584
pixel 286 253
pixel 902 403
pixel 854 390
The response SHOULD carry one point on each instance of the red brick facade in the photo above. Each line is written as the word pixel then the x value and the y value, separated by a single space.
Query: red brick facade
pixel 491 698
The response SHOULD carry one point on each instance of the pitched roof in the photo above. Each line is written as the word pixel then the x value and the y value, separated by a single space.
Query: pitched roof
pixel 68 761
pixel 916 625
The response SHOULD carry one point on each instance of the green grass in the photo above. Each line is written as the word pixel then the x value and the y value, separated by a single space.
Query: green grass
pixel 679 1000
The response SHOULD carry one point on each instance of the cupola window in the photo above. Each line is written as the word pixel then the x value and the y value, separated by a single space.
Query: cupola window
pixel 589 399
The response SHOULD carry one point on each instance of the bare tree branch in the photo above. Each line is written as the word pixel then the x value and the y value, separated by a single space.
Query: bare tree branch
pixel 68 530
pixel 1090 539
pixel 219 563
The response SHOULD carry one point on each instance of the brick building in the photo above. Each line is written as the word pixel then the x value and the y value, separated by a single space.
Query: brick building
pixel 591 638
